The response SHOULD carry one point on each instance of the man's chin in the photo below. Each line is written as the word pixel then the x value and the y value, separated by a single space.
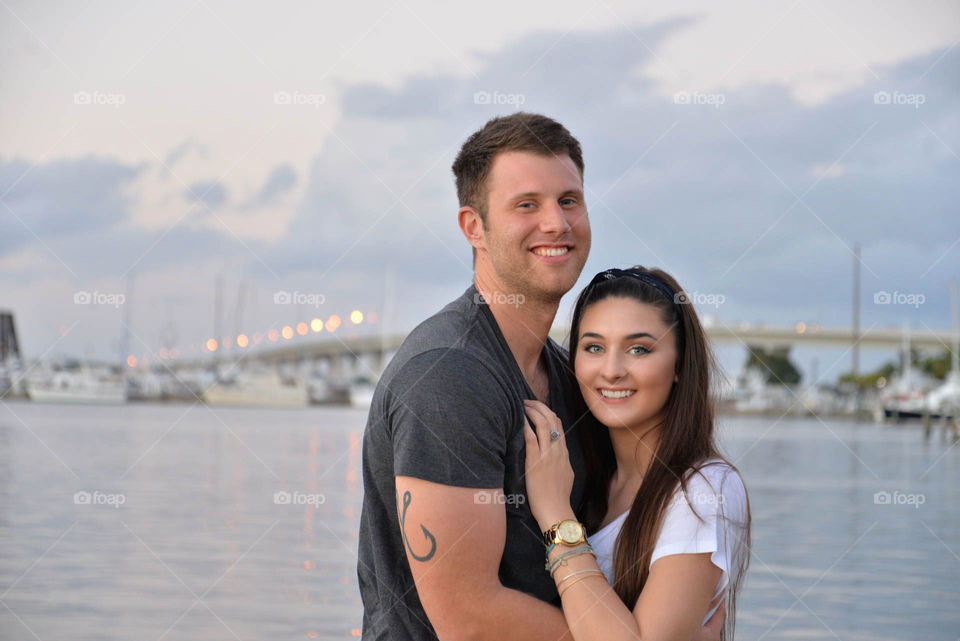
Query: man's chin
pixel 552 292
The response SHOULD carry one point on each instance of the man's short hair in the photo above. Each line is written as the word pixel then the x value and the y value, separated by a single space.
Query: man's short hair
pixel 517 132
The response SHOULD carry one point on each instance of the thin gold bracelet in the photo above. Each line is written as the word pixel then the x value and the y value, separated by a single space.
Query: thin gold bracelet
pixel 575 581
pixel 578 572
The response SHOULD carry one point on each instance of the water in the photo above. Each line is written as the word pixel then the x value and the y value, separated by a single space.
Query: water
pixel 182 537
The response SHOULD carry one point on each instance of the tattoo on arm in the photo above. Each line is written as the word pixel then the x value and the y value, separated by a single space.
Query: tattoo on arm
pixel 426 533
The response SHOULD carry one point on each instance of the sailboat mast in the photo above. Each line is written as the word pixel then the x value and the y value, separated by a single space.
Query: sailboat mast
pixel 955 308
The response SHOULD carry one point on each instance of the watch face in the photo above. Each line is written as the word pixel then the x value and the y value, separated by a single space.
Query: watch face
pixel 570 531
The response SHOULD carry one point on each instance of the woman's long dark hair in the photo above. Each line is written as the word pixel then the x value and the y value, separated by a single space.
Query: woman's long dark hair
pixel 686 437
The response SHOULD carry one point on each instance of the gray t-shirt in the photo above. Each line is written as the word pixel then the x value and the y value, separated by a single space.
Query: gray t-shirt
pixel 449 409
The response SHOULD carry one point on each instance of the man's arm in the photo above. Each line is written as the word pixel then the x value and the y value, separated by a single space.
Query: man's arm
pixel 454 545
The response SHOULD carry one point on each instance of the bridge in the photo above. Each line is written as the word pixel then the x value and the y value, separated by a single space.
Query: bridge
pixel 343 358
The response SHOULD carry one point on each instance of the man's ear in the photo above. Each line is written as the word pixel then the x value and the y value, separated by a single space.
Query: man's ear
pixel 472 226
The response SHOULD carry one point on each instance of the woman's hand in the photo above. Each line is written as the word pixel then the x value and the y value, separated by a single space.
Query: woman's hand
pixel 549 476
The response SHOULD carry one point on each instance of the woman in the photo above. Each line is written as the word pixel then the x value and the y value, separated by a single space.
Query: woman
pixel 663 537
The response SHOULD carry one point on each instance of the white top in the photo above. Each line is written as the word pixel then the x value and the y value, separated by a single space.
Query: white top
pixel 720 500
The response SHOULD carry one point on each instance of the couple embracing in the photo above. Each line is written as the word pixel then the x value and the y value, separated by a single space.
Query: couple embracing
pixel 514 489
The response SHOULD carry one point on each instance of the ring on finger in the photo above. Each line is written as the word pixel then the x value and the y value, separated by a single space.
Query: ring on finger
pixel 554 435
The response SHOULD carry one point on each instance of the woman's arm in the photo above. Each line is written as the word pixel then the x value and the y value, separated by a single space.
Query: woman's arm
pixel 677 593
pixel 671 606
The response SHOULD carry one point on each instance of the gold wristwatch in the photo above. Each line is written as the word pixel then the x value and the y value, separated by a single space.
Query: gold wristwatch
pixel 567 532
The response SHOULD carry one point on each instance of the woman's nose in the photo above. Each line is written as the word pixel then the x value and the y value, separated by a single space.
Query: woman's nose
pixel 613 368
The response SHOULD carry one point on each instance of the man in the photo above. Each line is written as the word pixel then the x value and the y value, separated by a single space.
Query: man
pixel 448 547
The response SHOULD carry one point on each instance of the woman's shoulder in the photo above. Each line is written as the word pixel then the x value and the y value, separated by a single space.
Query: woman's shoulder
pixel 715 472
pixel 714 482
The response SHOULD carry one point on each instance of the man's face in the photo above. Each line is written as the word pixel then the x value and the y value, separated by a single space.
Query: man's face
pixel 537 231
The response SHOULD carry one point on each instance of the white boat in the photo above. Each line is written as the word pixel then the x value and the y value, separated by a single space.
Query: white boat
pixel 188 385
pixel 144 386
pixel 944 401
pixel 77 386
pixel 258 388
pixel 753 395
pixel 361 394
pixel 904 396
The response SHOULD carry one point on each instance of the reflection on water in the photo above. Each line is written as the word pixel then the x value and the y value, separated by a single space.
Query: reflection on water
pixel 186 522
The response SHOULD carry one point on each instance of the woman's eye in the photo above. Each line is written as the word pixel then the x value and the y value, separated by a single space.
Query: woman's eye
pixel 589 348
pixel 639 349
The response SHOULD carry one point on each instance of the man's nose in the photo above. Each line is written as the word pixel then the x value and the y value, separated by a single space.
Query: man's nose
pixel 553 219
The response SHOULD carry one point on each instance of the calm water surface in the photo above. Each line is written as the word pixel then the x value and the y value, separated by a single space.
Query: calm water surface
pixel 178 530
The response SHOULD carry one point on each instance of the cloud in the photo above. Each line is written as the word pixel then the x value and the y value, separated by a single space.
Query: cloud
pixel 62 198
pixel 279 183
pixel 213 194
pixel 180 151
pixel 719 191
pixel 758 196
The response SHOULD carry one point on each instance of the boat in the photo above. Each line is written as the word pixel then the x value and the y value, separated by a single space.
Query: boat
pixel 258 388
pixel 903 397
pixel 753 395
pixel 144 386
pixel 322 392
pixel 83 385
pixel 944 401
pixel 361 393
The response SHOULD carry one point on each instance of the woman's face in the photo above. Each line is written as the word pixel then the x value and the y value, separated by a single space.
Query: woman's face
pixel 625 362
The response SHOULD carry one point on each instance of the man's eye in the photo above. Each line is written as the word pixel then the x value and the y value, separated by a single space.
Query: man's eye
pixel 568 201
pixel 525 205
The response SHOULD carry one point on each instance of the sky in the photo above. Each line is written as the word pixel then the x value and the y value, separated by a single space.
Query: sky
pixel 148 149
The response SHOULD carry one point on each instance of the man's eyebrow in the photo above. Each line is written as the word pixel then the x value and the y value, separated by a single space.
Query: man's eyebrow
pixel 535 194
pixel 627 337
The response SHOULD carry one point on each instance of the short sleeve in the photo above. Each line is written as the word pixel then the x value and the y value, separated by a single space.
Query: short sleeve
pixel 709 517
pixel 448 418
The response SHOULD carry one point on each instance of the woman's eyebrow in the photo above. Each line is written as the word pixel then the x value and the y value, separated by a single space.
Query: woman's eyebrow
pixel 628 337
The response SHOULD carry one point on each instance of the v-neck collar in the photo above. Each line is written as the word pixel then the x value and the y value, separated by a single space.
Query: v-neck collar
pixel 544 356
